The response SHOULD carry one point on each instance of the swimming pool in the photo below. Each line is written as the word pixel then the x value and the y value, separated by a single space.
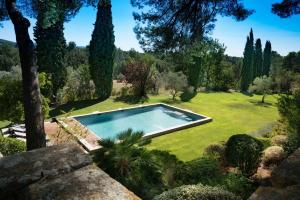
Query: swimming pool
pixel 153 120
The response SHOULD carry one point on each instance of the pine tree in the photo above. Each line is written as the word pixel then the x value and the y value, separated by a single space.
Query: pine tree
pixel 51 44
pixel 258 60
pixel 267 58
pixel 102 50
pixel 247 69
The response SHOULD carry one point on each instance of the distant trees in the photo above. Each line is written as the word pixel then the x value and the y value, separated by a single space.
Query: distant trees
pixel 9 57
pixel 261 85
pixel 101 50
pixel 255 63
pixel 175 83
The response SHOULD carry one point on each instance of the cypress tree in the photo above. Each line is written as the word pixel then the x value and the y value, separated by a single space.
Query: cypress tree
pixel 267 58
pixel 51 44
pixel 247 69
pixel 194 71
pixel 258 60
pixel 102 50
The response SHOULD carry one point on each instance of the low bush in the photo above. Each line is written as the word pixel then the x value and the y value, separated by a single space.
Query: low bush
pixel 243 151
pixel 279 140
pixel 197 192
pixel 202 170
pixel 10 146
pixel 188 94
pixel 215 151
pixel 237 184
pixel 273 155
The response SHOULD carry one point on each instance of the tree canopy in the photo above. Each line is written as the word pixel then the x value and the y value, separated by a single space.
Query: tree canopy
pixel 286 8
pixel 169 24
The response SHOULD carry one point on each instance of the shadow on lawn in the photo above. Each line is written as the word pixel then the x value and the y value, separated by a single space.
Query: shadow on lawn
pixel 130 99
pixel 259 103
pixel 72 106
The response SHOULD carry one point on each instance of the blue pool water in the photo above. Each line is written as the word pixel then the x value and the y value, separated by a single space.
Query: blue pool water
pixel 148 119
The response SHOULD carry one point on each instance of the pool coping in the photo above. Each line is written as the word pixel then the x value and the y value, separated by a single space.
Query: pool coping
pixel 153 134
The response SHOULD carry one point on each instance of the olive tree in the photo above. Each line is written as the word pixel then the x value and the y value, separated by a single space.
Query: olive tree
pixel 175 82
pixel 261 85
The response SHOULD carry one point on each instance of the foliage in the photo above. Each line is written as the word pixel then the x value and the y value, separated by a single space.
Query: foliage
pixel 247 70
pixel 131 164
pixel 76 56
pixel 216 152
pixel 261 85
pixel 138 73
pixel 258 60
pixel 188 94
pixel 11 97
pixel 50 42
pixel 194 70
pixel 243 151
pixel 201 170
pixel 175 82
pixel 267 58
pixel 289 109
pixel 79 85
pixel 286 8
pixel 101 50
pixel 169 25
pixel 196 192
pixel 237 184
pixel 9 57
pixel 10 146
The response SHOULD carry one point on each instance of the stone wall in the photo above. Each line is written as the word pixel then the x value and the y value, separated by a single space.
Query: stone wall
pixel 57 172
pixel 285 180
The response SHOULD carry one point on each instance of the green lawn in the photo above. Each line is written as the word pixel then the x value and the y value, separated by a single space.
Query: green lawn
pixel 232 113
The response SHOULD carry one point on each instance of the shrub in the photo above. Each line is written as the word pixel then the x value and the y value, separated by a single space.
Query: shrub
pixel 215 151
pixel 237 184
pixel 188 94
pixel 10 146
pixel 243 151
pixel 175 83
pixel 273 155
pixel 202 170
pixel 196 192
pixel 279 140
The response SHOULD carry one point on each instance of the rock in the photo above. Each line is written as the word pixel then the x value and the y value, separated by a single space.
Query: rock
pixel 288 172
pixel 1 155
pixel 86 183
pixel 57 172
pixel 271 193
pixel 273 155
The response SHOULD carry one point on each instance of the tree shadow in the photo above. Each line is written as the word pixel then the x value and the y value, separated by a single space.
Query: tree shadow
pixel 171 101
pixel 131 99
pixel 71 106
pixel 247 94
pixel 259 103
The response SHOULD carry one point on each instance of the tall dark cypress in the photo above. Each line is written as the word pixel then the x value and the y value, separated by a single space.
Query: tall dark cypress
pixel 247 69
pixel 102 50
pixel 51 44
pixel 267 58
pixel 258 60
pixel 251 56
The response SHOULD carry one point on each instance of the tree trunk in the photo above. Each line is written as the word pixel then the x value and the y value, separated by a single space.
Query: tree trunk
pixel 263 98
pixel 34 120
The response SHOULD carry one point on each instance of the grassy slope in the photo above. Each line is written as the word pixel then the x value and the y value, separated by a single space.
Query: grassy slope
pixel 232 114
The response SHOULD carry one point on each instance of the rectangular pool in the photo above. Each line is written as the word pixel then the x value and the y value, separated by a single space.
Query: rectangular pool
pixel 153 120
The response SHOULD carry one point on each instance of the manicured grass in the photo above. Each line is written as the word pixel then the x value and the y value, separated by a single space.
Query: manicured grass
pixel 232 113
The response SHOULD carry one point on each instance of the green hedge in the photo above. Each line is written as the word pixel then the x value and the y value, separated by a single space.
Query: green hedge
pixel 197 192
pixel 10 146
